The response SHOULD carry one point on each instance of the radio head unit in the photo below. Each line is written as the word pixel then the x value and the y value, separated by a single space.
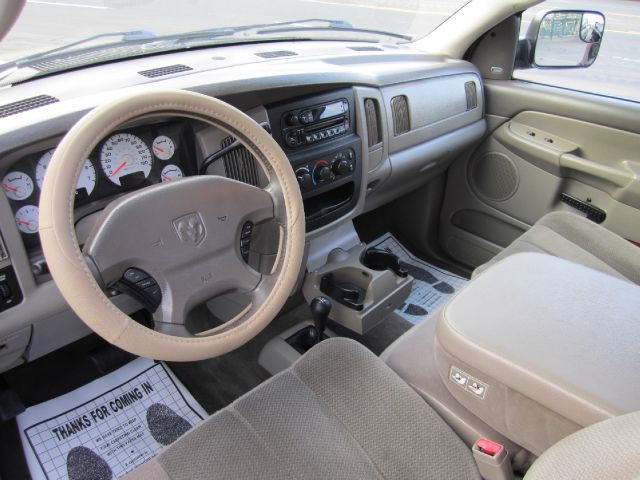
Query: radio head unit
pixel 313 124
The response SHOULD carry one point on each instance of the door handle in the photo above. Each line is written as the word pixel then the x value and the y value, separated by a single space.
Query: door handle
pixel 618 177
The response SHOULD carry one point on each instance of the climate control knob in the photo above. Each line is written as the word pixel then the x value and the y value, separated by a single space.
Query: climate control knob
pixel 304 179
pixel 341 167
pixel 322 174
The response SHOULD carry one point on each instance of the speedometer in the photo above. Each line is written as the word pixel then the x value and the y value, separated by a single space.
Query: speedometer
pixel 86 180
pixel 125 159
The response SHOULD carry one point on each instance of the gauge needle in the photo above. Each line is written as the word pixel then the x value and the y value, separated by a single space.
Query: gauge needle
pixel 13 189
pixel 168 179
pixel 158 149
pixel 22 222
pixel 122 165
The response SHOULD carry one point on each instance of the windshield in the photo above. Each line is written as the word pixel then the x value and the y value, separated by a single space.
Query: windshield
pixel 72 26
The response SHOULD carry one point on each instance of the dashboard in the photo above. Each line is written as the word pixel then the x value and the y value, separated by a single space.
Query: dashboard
pixel 360 125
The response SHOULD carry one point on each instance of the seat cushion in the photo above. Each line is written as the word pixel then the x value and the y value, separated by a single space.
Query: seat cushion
pixel 574 238
pixel 339 412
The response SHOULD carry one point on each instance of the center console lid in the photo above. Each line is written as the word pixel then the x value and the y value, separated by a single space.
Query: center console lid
pixel 538 346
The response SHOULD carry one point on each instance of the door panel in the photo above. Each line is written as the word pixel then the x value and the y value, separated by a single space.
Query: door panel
pixel 542 144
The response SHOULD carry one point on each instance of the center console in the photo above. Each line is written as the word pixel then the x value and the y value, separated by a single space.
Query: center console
pixel 318 135
pixel 532 350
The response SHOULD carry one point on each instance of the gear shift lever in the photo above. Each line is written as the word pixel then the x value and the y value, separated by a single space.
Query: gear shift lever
pixel 320 309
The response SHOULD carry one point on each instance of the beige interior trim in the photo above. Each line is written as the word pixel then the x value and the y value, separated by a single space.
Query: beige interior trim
pixel 608 449
pixel 558 333
pixel 9 12
pixel 66 261
pixel 453 37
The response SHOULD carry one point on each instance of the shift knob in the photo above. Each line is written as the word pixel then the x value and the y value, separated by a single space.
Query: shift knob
pixel 320 309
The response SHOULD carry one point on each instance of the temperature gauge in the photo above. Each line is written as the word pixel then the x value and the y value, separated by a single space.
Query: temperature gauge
pixel 170 173
pixel 27 219
pixel 17 185
pixel 163 147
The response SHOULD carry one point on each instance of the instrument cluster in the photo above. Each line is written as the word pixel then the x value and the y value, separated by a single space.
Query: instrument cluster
pixel 125 160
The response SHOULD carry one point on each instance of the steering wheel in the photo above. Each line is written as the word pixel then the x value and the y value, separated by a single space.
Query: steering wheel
pixel 184 234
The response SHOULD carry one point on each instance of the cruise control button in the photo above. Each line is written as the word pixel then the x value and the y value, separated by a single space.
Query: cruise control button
pixel 154 293
pixel 134 275
pixel 146 283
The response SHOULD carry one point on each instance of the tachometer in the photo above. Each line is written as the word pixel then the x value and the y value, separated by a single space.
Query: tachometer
pixel 86 180
pixel 17 185
pixel 27 219
pixel 170 173
pixel 163 147
pixel 125 155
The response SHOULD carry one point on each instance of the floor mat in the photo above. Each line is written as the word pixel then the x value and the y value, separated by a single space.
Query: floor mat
pixel 432 286
pixel 109 426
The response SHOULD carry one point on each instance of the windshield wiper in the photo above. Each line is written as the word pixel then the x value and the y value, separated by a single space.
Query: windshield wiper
pixel 276 29
pixel 139 42
pixel 134 35
pixel 290 26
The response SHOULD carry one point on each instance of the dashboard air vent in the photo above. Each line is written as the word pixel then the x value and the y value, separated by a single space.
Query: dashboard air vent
pixel 240 164
pixel 400 111
pixel 3 251
pixel 276 53
pixel 471 94
pixel 372 117
pixel 366 49
pixel 162 71
pixel 26 104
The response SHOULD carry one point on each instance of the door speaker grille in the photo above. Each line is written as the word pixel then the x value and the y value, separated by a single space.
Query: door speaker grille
pixel 400 111
pixel 494 176
pixel 240 164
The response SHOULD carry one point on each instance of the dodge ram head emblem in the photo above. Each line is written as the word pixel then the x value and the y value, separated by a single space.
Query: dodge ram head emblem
pixel 190 228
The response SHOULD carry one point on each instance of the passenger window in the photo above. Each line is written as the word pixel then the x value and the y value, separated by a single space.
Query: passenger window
pixel 616 70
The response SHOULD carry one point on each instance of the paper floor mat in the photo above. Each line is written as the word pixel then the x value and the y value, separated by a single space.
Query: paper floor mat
pixel 432 286
pixel 110 426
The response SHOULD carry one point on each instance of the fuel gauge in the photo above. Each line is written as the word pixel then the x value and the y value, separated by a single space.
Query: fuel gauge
pixel 170 173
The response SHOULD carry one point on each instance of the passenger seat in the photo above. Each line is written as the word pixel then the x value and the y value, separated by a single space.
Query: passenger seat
pixel 574 238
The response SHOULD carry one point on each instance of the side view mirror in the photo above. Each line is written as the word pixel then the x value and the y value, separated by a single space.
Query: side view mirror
pixel 562 39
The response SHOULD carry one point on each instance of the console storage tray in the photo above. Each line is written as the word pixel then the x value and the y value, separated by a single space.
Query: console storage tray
pixel 538 347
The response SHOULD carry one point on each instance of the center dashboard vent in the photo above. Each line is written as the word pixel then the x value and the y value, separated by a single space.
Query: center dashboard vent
pixel 239 164
pixel 372 118
pixel 400 112
pixel 162 71
pixel 27 104
pixel 276 53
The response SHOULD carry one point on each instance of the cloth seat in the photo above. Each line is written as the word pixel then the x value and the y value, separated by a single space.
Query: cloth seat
pixel 341 413
pixel 574 238
pixel 338 412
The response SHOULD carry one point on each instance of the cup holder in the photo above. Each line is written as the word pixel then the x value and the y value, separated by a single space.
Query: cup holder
pixel 345 292
pixel 378 259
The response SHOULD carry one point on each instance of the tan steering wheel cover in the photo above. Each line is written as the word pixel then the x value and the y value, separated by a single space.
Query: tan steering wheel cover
pixel 67 264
